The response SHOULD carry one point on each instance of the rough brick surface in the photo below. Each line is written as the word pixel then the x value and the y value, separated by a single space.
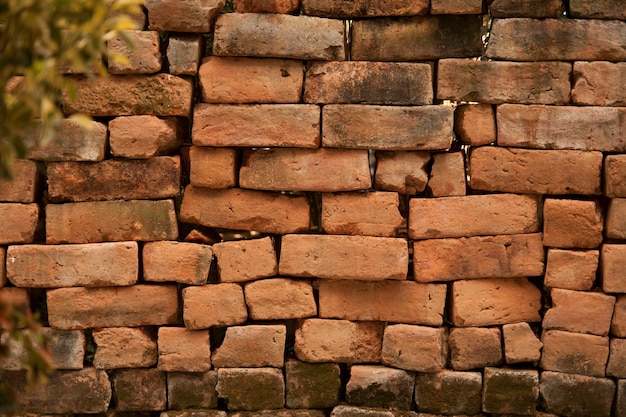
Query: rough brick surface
pixel 363 8
pixel 618 323
pixel 184 262
pixel 268 342
pixel 124 347
pixel 572 223
pixel 457 7
pixel 320 340
pixel 367 127
pixel 183 350
pixel 617 358
pixel 213 305
pixel 187 16
pixel 18 222
pixel 510 391
pixel 393 301
pixel 90 265
pixel 325 170
pixel 496 214
pixel 598 9
pixel 22 187
pixel 138 305
pixel 140 49
pixel 579 312
pixel 620 400
pixel 312 385
pixel 251 389
pixel 416 38
pixel 280 298
pixel 528 8
pixel 184 53
pixel 615 221
pixel 478 257
pixel 488 302
pixel 504 82
pixel 447 175
pixel 15 298
pixel 574 353
pixel 139 390
pixel 449 392
pixel 213 167
pixel 71 142
pixel 520 343
pixel 570 269
pixel 268 6
pixel 65 349
pixel 259 125
pixel 403 172
pixel 615 176
pixel 143 136
pixel 245 210
pixel 111 221
pixel 3 275
pixel 369 83
pixel 613 258
pixel 355 411
pixel 193 390
pixel 576 395
pixel 475 347
pixel 379 386
pixel 475 124
pixel 279 36
pixel 415 348
pixel 594 83
pixel 535 171
pixel 246 260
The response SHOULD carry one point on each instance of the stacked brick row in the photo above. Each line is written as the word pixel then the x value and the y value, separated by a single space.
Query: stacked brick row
pixel 435 226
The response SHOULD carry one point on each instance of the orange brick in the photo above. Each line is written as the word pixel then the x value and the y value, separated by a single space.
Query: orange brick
pixel 457 7
pixel 188 16
pixel 363 8
pixel 615 176
pixel 613 258
pixel 184 262
pixel 571 269
pixel 618 323
pixel 475 347
pixel 213 305
pixel 615 220
pixel 70 142
pixel 143 136
pixel 597 9
pixel 140 49
pixel 617 358
pixel 572 223
pixel 579 312
pixel 23 184
pixel 18 222
pixel 475 124
pixel 3 276
pixel 246 260
pixel 213 167
pixel 447 175
pixel 182 350
pixel 267 6
pixel 574 353
pixel 268 342
pixel 594 83
pixel 527 8
pixel 280 298
pixel 415 348
pixel 520 343
pixel 184 53
pixel 123 347
pixel 403 172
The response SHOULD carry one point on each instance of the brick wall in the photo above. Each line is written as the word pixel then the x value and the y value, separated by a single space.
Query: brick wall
pixel 331 207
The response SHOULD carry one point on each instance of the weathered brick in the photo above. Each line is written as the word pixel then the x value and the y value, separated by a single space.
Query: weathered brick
pixel 535 171
pixel 504 82
pixel 251 389
pixel 576 395
pixel 393 301
pixel 574 353
pixel 379 386
pixel 124 347
pixel 280 298
pixel 279 413
pixel 89 265
pixel 139 390
pixel 65 349
pixel 184 53
pixel 251 80
pixel 312 385
pixel 475 124
pixel 340 257
pixel 615 221
pixel 613 258
pixel 213 167
pixel 187 16
pixel 143 136
pixel 153 178
pixel 70 142
pixel 368 83
pixel 356 411
pixel 100 221
pixel 579 312
pixel 617 358
pixel 213 305
pixel 3 275
pixel 572 223
pixel 448 392
pixel 365 214
pixel 447 175
pixel 16 298
pixel 183 350
pixel 527 8
pixel 402 172
pixel 475 347
pixel 245 210
pixel 346 9
pixel 138 305
pixel 18 222
pixel 184 262
pixel 572 270
pixel 478 257
pixel 475 215
pixel 488 302
pixel 520 343
pixel 193 412
pixel 618 323
pixel 268 342
pixel 415 348
pixel 560 39
pixel 256 125
pixel 325 170
pixel 140 49
pixel 267 6
pixel 620 399
pixel 246 260
pixel 279 36
pixel 615 176
pixel 367 127
pixel 23 186
pixel 191 390
pixel 594 83
pixel 416 38
pixel 510 391
pixel 597 9
pixel 119 95
pixel 319 340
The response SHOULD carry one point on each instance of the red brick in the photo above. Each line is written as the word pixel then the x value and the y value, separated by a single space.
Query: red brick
pixel 415 348
pixel 245 260
pixel 475 347
pixel 368 127
pixel 615 220
pixel 403 172
pixel 140 49
pixel 574 353
pixel 187 16
pixel 183 262
pixel 478 257
pixel 363 8
pixel 379 386
pixel 448 392
pixel 572 223
pixel 579 312
pixel 474 215
pixel 618 323
pixel 18 222
pixel 23 184
pixel 613 259
pixel 572 270
pixel 251 389
pixel 475 124
pixel 245 210
pixel 457 7
pixel 535 171
pixel 267 6
pixel 184 53
pixel 560 39
pixel 566 394
pixel 617 358
pixel 70 142
pixel 138 305
pixel 594 83
pixel 153 178
pixel 111 221
pixel 520 343
pixel 90 265
pixel 192 390
pixel 182 350
pixel 490 302
pixel 139 390
pixel 597 9
pixel 510 391
pixel 119 95
pixel 213 305
pixel 268 342
pixel 280 298
pixel 341 257
pixel 615 176
pixel 213 167
pixel 369 83
pixel 282 125
pixel 393 301
pixel 251 80
pixel 279 36
pixel 416 38
pixel 527 8
pixel 447 175
pixel 143 136
pixel 319 340
pixel 504 82
pixel 16 298
pixel 124 347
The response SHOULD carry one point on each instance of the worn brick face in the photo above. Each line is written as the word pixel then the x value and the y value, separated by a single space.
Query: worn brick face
pixel 456 7
pixel 475 347
pixel 447 175
pixel 613 259
pixel 615 176
pixel 251 389
pixel 70 142
pixel 187 16
pixel 403 172
pixel 280 298
pixel 213 305
pixel 268 6
pixel 475 124
pixel 594 83
pixel 18 222
pixel 572 223
pixel 615 221
pixel 268 342
pixel 139 390
pixel 363 8
pixel 183 350
pixel 379 386
pixel 520 343
pixel 22 187
pixel 141 49
pixel 184 262
pixel 449 392
pixel 598 9
pixel 415 348
pixel 213 167
pixel 574 353
pixel 192 390
pixel 312 385
pixel 143 136
pixel 567 394
pixel 571 269
pixel 124 347
pixel 579 312
pixel 246 260
pixel 510 391
pixel 527 8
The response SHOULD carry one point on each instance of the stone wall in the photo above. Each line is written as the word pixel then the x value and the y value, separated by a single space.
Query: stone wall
pixel 335 207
